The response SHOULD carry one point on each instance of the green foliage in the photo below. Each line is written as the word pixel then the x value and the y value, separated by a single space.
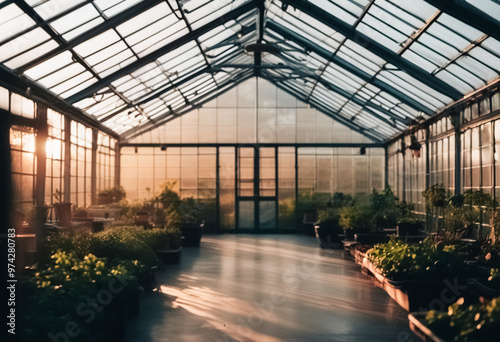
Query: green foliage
pixel 287 212
pixel 117 244
pixel 177 211
pixel 477 198
pixel 168 197
pixel 398 260
pixel 122 244
pixel 495 223
pixel 116 194
pixel 435 196
pixel 348 216
pixel 355 216
pixel 384 207
pixel 328 218
pixel 462 322
pixel 341 200
pixel 50 299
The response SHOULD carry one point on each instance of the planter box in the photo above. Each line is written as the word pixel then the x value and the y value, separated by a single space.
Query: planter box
pixel 485 290
pixel 328 237
pixel 170 256
pixel 358 256
pixel 411 295
pixel 419 327
pixel 371 238
pixel 192 235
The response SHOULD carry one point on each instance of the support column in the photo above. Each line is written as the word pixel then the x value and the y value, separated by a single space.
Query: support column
pixel 297 217
pixel 66 191
pixel 455 121
pixel 217 189
pixel 256 187
pixel 41 166
pixel 427 159
pixel 117 170
pixel 403 168
pixel 93 172
pixel 386 167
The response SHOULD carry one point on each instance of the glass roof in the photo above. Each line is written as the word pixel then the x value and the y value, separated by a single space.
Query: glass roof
pixel 373 65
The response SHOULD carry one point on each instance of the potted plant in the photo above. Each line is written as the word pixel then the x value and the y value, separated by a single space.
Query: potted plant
pixel 62 209
pixel 192 230
pixel 347 220
pixel 409 224
pixel 327 229
pixel 435 199
pixel 181 213
pixel 384 208
pixel 435 196
pixel 111 195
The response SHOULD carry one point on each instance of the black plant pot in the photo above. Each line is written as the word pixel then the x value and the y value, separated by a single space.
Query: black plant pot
pixel 192 235
pixel 328 237
pixel 409 228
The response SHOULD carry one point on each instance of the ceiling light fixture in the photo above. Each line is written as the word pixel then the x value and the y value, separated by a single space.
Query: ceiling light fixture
pixel 262 47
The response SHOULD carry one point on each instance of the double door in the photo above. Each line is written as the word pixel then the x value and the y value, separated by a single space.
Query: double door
pixel 256 198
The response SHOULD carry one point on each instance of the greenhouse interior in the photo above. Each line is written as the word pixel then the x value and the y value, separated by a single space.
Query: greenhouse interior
pixel 250 170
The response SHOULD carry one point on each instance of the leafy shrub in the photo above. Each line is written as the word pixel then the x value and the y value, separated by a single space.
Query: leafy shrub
pixel 462 322
pixel 402 261
pixel 53 296
pixel 328 218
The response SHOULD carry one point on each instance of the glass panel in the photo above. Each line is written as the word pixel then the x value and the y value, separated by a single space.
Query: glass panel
pixel 246 215
pixel 267 212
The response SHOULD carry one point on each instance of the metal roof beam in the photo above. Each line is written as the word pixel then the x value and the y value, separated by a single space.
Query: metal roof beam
pixel 21 85
pixel 95 31
pixel 376 48
pixel 300 40
pixel 232 15
pixel 162 90
pixel 470 15
pixel 350 98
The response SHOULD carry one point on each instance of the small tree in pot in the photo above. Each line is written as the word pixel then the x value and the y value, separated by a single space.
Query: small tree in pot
pixel 327 228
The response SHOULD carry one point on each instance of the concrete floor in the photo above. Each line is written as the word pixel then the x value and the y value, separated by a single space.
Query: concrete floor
pixel 267 288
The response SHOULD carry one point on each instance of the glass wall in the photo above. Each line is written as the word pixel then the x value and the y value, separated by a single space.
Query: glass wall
pixel 81 164
pixel 239 116
pixel 77 179
pixel 22 144
pixel 253 130
pixel 105 163
pixel 479 129
pixel 54 177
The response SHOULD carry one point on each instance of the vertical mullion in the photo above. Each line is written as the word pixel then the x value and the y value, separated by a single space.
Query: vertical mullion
pixel 276 186
pixel 236 190
pixel 217 189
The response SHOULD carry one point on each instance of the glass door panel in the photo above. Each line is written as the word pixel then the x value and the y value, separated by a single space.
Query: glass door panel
pixel 267 214
pixel 246 214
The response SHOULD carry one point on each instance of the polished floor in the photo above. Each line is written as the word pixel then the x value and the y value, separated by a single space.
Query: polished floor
pixel 267 288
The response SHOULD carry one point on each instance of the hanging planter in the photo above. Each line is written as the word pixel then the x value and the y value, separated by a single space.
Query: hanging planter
pixel 435 196
pixel 415 146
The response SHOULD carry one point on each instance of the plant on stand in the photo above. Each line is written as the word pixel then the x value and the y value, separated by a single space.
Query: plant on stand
pixel 435 199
